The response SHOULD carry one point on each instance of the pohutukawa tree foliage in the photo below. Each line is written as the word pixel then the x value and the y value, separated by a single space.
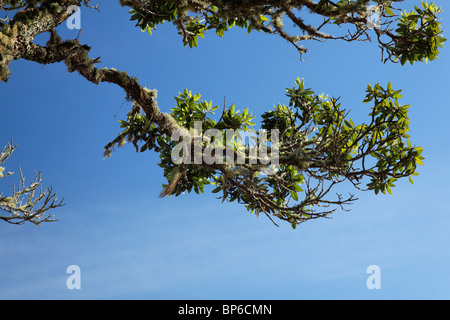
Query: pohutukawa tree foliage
pixel 317 147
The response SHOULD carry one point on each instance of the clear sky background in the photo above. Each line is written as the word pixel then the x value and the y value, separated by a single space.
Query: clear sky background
pixel 130 244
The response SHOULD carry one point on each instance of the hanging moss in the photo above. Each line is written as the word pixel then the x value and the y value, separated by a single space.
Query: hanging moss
pixel 5 41
pixel 4 72
pixel 152 93
pixel 10 32
pixel 99 75
pixel 55 8
pixel 69 65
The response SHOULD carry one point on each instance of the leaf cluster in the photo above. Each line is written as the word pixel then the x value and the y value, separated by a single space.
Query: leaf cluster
pixel 191 25
pixel 417 37
pixel 419 34
pixel 319 148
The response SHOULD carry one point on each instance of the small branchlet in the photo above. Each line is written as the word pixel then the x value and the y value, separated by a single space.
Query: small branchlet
pixel 28 202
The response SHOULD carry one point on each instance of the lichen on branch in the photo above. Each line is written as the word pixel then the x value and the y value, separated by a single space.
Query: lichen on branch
pixel 27 202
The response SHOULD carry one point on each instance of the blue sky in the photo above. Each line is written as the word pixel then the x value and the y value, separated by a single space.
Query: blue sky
pixel 130 244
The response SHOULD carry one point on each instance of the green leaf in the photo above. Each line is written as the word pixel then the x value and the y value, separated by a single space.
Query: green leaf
pixel 389 11
pixel 294 195
pixel 388 188
pixel 216 190
pixel 143 148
